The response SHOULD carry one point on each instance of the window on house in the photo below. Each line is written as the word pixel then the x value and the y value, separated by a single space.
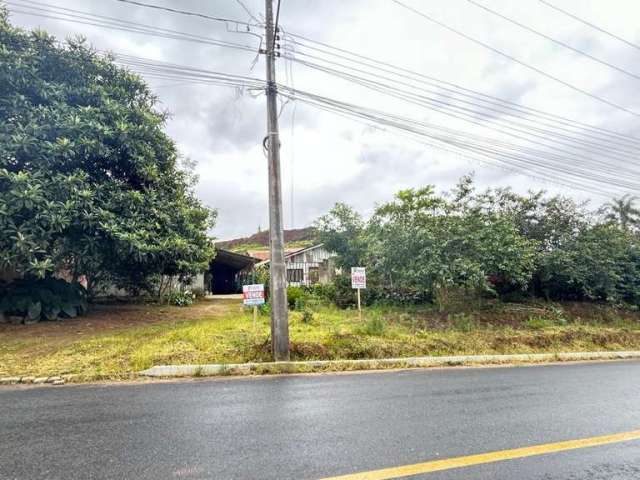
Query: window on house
pixel 314 275
pixel 295 275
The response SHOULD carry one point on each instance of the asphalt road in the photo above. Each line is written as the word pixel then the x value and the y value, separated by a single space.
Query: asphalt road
pixel 312 427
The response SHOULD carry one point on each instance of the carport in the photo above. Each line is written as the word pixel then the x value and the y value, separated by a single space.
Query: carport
pixel 227 270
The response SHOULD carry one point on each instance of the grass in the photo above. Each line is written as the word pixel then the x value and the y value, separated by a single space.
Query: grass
pixel 196 335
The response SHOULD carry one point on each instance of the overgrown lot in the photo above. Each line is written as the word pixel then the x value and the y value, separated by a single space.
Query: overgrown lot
pixel 115 342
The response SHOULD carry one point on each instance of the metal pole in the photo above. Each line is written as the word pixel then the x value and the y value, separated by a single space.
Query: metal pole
pixel 278 281
pixel 359 307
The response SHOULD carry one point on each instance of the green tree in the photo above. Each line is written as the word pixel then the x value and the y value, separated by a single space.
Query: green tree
pixel 425 242
pixel 343 231
pixel 89 182
pixel 623 212
pixel 601 263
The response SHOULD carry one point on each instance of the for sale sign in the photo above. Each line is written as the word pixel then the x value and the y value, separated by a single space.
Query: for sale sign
pixel 358 277
pixel 253 294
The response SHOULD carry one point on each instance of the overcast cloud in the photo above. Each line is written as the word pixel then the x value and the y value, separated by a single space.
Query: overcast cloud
pixel 327 158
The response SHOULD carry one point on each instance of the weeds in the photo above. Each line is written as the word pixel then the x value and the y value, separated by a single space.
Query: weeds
pixel 323 333
pixel 464 322
pixel 375 326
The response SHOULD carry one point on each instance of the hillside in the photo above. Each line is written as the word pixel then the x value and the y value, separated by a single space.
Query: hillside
pixel 294 238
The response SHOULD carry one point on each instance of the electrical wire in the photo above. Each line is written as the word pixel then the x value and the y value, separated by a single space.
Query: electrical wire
pixel 186 12
pixel 516 60
pixel 522 157
pixel 489 161
pixel 527 159
pixel 60 13
pixel 551 39
pixel 246 9
pixel 450 88
pixel 523 160
pixel 592 25
pixel 471 115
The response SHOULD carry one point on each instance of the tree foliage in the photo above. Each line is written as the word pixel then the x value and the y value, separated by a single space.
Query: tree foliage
pixel 89 182
pixel 493 242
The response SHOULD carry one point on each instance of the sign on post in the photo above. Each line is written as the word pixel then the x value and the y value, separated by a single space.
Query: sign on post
pixel 253 295
pixel 358 277
pixel 358 281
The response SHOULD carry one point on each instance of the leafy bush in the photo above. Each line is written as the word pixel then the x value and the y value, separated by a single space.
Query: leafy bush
pixel 323 291
pixel 294 294
pixel 181 298
pixel 42 299
pixel 265 309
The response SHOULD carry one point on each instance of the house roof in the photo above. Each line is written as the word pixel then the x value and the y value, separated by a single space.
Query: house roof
pixel 290 252
pixel 303 250
pixel 234 260
pixel 259 254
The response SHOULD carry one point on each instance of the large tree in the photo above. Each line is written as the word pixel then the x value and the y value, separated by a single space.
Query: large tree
pixel 89 181
pixel 624 212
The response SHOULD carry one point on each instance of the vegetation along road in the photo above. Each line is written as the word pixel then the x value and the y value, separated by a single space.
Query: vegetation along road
pixel 115 342
pixel 322 426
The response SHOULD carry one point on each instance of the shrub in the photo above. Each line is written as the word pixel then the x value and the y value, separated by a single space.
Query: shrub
pixel 181 298
pixel 265 309
pixel 323 291
pixel 307 316
pixel 294 294
pixel 42 299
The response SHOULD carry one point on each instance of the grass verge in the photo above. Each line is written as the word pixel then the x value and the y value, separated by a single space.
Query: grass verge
pixel 198 335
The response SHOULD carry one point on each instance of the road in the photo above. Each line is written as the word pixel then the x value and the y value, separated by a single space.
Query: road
pixel 315 427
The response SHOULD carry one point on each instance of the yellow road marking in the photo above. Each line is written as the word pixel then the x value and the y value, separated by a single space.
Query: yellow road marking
pixel 490 457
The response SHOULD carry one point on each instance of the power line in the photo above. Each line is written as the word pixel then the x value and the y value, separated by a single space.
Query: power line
pixel 592 25
pixel 188 37
pixel 524 157
pixel 246 9
pixel 551 39
pixel 518 154
pixel 487 147
pixel 483 158
pixel 85 18
pixel 186 12
pixel 470 114
pixel 516 60
pixel 452 88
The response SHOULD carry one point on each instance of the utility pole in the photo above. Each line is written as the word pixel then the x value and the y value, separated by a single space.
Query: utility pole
pixel 277 271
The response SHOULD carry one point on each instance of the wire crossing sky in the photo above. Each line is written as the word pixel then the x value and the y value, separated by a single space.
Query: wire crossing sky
pixel 529 96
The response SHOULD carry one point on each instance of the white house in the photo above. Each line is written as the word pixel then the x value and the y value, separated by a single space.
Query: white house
pixel 309 266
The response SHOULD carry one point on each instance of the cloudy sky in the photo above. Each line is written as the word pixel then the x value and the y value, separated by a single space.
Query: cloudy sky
pixel 328 158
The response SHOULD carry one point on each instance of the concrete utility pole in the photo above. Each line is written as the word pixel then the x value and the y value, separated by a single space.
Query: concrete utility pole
pixel 277 271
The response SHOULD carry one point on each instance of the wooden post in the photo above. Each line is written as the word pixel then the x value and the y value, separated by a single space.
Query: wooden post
pixel 359 306
pixel 255 316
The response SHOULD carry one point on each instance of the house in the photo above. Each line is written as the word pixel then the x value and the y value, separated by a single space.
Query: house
pixel 308 266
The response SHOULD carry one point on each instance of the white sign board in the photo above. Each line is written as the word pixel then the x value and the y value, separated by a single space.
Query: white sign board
pixel 253 294
pixel 358 277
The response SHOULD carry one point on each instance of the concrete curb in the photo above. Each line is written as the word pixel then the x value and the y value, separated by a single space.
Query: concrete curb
pixel 374 364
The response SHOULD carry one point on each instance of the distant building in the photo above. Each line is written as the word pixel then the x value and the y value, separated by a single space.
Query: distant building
pixel 308 266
